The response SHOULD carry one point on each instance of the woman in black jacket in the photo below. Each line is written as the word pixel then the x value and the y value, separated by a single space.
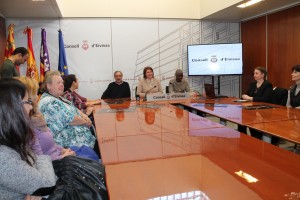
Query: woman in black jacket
pixel 261 90
pixel 294 96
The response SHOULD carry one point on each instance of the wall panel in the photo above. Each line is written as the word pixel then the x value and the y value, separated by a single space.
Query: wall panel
pixel 253 35
pixel 283 45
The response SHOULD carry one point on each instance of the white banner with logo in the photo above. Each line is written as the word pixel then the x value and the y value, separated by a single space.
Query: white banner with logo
pixel 95 48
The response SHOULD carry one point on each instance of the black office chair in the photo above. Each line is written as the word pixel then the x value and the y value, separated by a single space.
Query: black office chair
pixel 280 96
pixel 167 89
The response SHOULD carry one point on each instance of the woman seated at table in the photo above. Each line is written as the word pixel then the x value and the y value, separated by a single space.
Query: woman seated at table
pixel 70 126
pixel 260 90
pixel 148 84
pixel 294 93
pixel 82 103
pixel 22 172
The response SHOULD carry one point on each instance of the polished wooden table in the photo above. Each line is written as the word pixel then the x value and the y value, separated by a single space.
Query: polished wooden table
pixel 162 152
pixel 279 121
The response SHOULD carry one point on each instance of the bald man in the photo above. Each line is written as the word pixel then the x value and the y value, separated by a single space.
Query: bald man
pixel 178 84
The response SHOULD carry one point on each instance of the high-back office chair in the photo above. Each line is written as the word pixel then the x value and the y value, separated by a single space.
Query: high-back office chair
pixel 280 96
pixel 167 89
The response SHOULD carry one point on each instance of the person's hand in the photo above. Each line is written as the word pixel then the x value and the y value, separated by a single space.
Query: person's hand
pixel 87 120
pixel 67 152
pixel 90 110
pixel 28 197
pixel 246 97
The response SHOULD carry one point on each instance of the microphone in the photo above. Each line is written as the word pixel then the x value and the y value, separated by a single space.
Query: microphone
pixel 145 97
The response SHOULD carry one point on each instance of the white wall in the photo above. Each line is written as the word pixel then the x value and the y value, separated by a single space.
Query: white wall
pixel 127 45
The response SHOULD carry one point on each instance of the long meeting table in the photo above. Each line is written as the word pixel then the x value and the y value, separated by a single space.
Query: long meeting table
pixel 159 151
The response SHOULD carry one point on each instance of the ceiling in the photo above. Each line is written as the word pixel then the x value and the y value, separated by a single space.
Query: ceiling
pixel 235 14
pixel 50 9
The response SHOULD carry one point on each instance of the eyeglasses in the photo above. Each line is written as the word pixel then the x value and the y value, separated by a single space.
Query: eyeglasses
pixel 29 102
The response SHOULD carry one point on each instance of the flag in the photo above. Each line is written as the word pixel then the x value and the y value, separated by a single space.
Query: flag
pixel 31 64
pixel 62 61
pixel 44 56
pixel 10 44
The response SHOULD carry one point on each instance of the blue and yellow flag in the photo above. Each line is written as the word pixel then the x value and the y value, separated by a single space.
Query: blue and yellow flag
pixel 62 61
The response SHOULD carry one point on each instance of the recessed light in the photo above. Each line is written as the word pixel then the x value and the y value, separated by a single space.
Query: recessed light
pixel 249 3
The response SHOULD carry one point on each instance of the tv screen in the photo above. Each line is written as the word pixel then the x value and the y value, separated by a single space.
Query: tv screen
pixel 215 59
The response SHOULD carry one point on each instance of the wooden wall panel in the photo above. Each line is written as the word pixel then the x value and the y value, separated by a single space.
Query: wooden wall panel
pixel 283 45
pixel 253 35
pixel 272 41
pixel 2 39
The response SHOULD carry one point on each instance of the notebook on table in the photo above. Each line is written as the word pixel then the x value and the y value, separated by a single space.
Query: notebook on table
pixel 210 92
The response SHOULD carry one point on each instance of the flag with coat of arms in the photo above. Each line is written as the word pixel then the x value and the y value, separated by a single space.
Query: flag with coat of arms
pixel 62 61
pixel 31 64
pixel 10 44
pixel 44 56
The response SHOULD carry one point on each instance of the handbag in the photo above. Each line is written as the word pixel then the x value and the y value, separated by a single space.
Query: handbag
pixel 78 179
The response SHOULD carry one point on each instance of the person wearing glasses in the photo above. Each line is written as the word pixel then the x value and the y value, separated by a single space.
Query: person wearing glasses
pixel 21 171
pixel 70 126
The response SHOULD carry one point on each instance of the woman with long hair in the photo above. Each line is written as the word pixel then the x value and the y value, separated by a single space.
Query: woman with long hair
pixel 21 171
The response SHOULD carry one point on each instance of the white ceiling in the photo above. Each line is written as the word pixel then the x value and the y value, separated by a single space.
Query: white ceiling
pixel 50 9
pixel 235 14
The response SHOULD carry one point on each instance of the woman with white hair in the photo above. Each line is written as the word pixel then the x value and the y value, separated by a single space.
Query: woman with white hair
pixel 70 126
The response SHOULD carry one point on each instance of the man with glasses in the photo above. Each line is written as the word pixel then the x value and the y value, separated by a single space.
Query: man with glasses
pixel 18 57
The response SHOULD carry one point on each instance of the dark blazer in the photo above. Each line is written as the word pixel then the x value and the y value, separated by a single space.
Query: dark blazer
pixel 264 92
pixel 116 91
pixel 294 99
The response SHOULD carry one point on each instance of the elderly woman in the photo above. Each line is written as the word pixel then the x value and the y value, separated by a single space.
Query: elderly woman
pixel 69 125
pixel 148 84
pixel 21 171
pixel 178 84
pixel 294 93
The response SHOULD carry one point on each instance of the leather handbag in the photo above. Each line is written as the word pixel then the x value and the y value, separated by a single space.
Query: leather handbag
pixel 78 179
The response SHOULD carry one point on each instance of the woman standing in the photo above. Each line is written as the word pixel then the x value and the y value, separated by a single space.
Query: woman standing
pixel 21 171
pixel 261 90
pixel 294 94
pixel 148 84
pixel 70 127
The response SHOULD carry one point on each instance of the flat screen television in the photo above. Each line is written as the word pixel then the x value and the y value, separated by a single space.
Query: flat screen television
pixel 215 59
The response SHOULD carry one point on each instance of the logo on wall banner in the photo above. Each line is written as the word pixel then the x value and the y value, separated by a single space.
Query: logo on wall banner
pixel 85 44
pixel 213 59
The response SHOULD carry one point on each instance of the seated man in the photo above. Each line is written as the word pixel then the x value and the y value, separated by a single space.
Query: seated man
pixel 178 84
pixel 117 89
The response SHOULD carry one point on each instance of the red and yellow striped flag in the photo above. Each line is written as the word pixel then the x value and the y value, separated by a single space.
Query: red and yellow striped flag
pixel 10 44
pixel 31 64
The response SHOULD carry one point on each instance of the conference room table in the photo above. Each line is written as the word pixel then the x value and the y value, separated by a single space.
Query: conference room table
pixel 280 121
pixel 159 151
